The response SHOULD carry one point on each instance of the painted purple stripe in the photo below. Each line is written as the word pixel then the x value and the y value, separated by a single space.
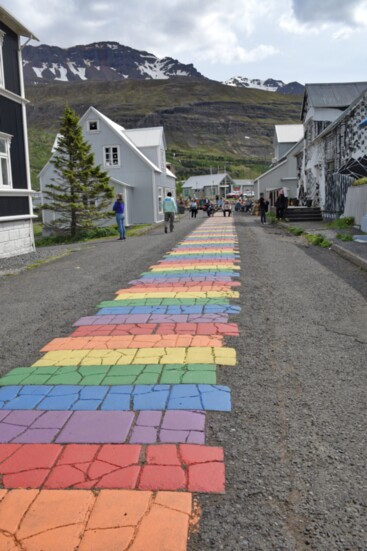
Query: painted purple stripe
pixel 114 427
pixel 152 318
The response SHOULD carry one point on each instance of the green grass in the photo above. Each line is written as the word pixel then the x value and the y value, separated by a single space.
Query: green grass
pixel 318 240
pixel 341 223
pixel 344 236
pixel 93 234
pixel 296 231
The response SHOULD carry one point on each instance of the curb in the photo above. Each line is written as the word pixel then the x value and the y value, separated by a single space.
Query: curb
pixel 348 255
pixel 341 251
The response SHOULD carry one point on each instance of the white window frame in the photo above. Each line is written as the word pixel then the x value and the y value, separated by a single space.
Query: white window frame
pixel 108 149
pixel 160 200
pixel 93 130
pixel 2 77
pixel 163 160
pixel 5 161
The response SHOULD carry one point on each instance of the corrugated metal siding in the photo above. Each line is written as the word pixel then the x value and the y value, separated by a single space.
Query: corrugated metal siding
pixel 334 95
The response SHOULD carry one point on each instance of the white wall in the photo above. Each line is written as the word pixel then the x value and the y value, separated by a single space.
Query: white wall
pixel 356 203
pixel 16 237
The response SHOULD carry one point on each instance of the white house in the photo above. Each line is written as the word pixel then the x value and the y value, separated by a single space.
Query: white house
pixel 135 161
pixel 285 136
pixel 243 187
pixel 283 174
pixel 208 185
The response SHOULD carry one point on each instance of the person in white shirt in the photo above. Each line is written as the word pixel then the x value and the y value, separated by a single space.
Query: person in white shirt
pixel 169 209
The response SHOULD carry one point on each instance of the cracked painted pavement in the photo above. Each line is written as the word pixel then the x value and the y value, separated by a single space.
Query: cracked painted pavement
pixel 103 438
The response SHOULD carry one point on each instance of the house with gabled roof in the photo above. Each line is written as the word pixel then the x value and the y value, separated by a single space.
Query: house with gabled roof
pixel 135 161
pixel 16 212
pixel 285 137
pixel 208 185
pixel 282 174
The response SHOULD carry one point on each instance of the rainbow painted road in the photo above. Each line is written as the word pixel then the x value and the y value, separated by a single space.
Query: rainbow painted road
pixel 103 439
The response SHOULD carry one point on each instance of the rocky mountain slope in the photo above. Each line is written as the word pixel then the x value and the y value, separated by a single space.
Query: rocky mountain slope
pixel 110 61
pixel 202 119
pixel 99 61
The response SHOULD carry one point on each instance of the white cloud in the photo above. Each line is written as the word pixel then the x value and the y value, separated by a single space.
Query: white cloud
pixel 305 40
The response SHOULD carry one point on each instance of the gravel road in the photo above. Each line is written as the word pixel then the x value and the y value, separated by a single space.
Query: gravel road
pixel 295 440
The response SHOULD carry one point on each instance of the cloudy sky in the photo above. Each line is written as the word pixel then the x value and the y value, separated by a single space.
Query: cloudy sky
pixel 303 40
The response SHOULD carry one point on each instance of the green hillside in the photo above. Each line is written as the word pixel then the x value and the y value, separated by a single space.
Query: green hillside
pixel 208 126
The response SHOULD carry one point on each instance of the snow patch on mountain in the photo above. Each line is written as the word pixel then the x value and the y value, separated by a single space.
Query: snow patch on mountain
pixel 269 85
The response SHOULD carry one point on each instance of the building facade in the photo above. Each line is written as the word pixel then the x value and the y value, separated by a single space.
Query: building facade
pixel 135 161
pixel 16 212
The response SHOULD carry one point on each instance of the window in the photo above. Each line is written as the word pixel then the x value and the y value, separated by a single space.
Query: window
pixel 111 155
pixel 93 126
pixel 163 160
pixel 160 200
pixel 2 81
pixel 5 169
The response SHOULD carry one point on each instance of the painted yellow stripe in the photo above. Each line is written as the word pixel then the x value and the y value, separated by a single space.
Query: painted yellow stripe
pixel 135 356
pixel 180 294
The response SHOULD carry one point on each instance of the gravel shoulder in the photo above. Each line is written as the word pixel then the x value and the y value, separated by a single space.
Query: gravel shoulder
pixel 294 442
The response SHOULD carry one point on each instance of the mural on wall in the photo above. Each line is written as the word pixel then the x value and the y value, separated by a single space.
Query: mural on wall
pixel 336 186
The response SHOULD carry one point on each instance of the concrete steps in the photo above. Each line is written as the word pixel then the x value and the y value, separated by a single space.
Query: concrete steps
pixel 303 214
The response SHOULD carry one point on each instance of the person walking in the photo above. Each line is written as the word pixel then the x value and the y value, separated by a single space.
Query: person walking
pixel 263 205
pixel 281 205
pixel 119 208
pixel 169 209
pixel 193 208
pixel 227 208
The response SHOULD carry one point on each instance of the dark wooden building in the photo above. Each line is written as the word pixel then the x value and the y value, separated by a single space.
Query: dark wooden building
pixel 16 214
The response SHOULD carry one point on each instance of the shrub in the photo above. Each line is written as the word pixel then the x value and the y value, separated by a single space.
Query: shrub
pixel 342 223
pixel 318 240
pixel 271 218
pixel 360 181
pixel 296 231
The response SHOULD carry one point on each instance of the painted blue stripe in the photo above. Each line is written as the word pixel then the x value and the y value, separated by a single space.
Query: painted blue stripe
pixel 116 398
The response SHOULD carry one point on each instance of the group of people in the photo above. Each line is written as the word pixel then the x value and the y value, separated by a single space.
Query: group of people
pixel 210 207
pixel 170 209
pixel 280 204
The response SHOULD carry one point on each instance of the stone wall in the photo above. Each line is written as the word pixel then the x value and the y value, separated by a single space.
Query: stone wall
pixel 16 237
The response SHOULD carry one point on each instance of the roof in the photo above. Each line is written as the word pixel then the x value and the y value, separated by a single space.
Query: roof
pixel 170 173
pixel 337 96
pixel 342 116
pixel 15 25
pixel 146 137
pixel 289 133
pixel 206 180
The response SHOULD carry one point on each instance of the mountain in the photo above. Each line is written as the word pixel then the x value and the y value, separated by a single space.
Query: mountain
pixel 205 122
pixel 100 61
pixel 106 61
pixel 270 85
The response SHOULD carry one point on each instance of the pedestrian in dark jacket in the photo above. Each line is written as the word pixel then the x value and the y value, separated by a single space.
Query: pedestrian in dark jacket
pixel 119 208
pixel 281 205
pixel 263 205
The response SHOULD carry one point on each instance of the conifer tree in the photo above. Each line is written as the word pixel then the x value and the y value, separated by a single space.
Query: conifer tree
pixel 80 193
